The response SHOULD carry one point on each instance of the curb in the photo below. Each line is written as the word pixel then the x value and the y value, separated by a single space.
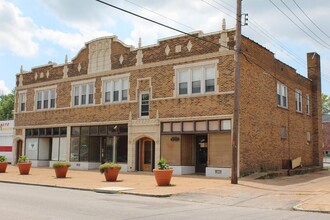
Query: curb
pixel 43 185
pixel 298 208
pixel 91 190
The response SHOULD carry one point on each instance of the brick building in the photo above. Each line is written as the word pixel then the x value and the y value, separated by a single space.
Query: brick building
pixel 114 102
pixel 326 133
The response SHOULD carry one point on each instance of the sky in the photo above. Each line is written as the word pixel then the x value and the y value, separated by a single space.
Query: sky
pixel 34 32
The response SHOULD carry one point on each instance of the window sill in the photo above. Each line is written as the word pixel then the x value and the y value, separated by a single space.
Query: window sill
pixel 282 107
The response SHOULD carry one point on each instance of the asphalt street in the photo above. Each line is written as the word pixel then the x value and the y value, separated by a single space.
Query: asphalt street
pixel 36 202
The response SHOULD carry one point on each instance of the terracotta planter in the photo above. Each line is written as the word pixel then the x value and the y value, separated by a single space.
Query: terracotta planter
pixel 24 168
pixel 61 171
pixel 163 177
pixel 3 167
pixel 111 174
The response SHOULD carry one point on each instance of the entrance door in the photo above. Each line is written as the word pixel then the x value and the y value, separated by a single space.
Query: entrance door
pixel 107 149
pixel 146 155
pixel 201 153
pixel 19 149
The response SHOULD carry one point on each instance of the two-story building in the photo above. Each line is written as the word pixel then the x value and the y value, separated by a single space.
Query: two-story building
pixel 174 99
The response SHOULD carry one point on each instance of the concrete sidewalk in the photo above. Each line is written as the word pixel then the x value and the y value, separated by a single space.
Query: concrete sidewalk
pixel 309 192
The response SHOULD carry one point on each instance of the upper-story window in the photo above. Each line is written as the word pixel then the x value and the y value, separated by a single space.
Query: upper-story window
pixel 307 105
pixel 115 89
pixel 298 97
pixel 83 94
pixel 282 95
pixel 45 99
pixel 144 104
pixel 22 101
pixel 196 78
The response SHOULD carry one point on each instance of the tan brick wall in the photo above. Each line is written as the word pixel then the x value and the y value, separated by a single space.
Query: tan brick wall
pixel 261 145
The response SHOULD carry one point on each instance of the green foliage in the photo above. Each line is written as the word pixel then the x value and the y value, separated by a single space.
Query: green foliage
pixel 325 104
pixel 23 159
pixel 111 165
pixel 3 158
pixel 61 164
pixel 162 165
pixel 7 106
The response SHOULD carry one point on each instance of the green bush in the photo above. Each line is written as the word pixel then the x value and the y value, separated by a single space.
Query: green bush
pixel 23 159
pixel 111 165
pixel 3 158
pixel 61 164
pixel 162 165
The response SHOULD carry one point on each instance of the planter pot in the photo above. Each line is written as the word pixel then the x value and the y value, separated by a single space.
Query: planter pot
pixel 3 167
pixel 61 171
pixel 111 174
pixel 163 177
pixel 24 168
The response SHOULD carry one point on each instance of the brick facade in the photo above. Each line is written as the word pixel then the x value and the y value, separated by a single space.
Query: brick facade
pixel 152 69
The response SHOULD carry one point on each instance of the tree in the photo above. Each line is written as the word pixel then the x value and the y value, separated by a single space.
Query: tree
pixel 325 104
pixel 7 106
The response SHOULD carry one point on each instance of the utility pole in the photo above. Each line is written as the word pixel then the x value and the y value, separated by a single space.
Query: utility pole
pixel 234 166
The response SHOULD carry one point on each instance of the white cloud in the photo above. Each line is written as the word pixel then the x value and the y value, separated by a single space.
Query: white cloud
pixel 3 88
pixel 16 33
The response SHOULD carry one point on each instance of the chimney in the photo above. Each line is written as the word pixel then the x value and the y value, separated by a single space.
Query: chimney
pixel 314 74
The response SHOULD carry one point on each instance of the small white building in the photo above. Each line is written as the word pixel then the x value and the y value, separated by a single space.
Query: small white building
pixel 6 139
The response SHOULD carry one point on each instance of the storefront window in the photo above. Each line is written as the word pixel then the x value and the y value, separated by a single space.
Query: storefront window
pixel 83 150
pixel 74 153
pixel 121 146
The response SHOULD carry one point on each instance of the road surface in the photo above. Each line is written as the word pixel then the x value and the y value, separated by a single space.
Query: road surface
pixel 36 202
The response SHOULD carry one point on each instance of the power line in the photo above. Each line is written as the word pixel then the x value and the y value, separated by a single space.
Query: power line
pixel 219 9
pixel 264 34
pixel 161 24
pixel 218 45
pixel 163 16
pixel 296 24
pixel 311 19
pixel 303 23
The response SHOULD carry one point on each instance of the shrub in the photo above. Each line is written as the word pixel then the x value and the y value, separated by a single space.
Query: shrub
pixel 61 164
pixel 23 159
pixel 3 158
pixel 111 165
pixel 162 165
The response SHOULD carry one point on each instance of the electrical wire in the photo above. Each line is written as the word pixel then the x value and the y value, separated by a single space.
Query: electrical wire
pixel 311 19
pixel 218 45
pixel 297 24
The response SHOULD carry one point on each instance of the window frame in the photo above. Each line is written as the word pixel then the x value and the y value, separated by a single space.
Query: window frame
pixel 45 98
pixel 282 97
pixel 108 89
pixel 192 77
pixel 308 105
pixel 140 105
pixel 83 97
pixel 22 101
pixel 298 101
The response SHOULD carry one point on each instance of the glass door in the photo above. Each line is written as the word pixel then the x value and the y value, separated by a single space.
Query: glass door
pixel 146 155
pixel 201 153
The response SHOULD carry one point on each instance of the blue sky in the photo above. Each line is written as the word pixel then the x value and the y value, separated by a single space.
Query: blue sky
pixel 33 32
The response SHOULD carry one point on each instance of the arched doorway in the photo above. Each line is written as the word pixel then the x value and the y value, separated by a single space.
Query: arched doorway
pixel 19 149
pixel 145 154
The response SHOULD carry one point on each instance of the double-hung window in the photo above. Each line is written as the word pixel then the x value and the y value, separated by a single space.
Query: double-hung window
pixel 196 78
pixel 115 89
pixel 144 104
pixel 282 95
pixel 307 105
pixel 83 94
pixel 298 97
pixel 45 98
pixel 22 101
